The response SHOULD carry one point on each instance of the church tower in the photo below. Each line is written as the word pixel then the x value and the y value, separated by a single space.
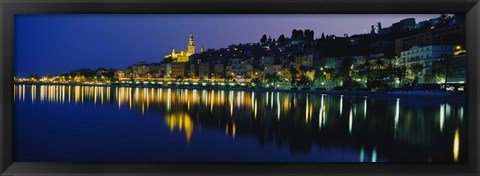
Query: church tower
pixel 191 46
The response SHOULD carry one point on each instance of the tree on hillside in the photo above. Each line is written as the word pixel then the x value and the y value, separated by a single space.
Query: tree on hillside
pixel 263 39
pixel 293 76
pixel 416 69
pixel 309 34
pixel 281 39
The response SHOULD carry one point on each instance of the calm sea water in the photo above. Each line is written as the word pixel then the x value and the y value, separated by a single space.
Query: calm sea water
pixel 122 124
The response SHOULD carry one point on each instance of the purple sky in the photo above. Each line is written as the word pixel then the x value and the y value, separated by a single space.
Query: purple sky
pixel 47 44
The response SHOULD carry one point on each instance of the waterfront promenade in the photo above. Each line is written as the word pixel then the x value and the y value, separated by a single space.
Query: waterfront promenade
pixel 434 94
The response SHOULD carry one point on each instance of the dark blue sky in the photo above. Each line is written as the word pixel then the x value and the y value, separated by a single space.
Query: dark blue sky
pixel 48 44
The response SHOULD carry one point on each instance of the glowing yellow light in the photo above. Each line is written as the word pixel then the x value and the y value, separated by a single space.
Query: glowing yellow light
pixel 306 110
pixel 234 129
pixel 456 145
pixel 226 129
pixel 278 106
pixel 255 113
pixel 181 121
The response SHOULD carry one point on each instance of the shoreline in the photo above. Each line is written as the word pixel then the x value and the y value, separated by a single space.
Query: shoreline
pixel 355 93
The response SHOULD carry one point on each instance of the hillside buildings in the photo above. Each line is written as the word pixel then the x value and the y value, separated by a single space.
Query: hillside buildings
pixel 404 54
pixel 449 35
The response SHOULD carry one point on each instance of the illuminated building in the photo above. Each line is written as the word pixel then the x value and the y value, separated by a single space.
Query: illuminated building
pixel 183 55
pixel 101 71
pixel 165 70
pixel 450 35
pixel 423 56
pixel 178 70
pixel 204 70
pixel 154 70
pixel 219 71
pixel 119 74
pixel 139 70
pixel 143 70
pixel 192 70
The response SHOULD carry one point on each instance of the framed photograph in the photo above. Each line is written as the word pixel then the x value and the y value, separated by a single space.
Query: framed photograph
pixel 254 87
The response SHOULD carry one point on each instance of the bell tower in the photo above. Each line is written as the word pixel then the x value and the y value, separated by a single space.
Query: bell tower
pixel 191 46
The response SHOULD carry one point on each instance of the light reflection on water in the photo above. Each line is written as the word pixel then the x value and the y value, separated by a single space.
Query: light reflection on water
pixel 423 129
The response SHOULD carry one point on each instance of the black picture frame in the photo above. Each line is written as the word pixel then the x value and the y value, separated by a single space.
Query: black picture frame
pixel 8 8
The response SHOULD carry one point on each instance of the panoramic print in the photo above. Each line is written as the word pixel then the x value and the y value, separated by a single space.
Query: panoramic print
pixel 240 88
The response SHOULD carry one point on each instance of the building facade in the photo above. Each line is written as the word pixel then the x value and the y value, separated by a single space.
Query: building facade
pixel 219 71
pixel 449 35
pixel 204 70
pixel 422 57
pixel 178 70
pixel 183 55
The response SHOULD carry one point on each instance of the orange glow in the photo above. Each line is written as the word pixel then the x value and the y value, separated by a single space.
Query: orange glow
pixel 456 145
pixel 234 129
pixel 161 98
pixel 226 129
pixel 181 121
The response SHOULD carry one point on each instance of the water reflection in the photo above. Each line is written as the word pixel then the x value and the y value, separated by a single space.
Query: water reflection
pixel 365 108
pixel 341 104
pixel 442 116
pixel 374 155
pixel 321 115
pixel 182 121
pixel 362 155
pixel 456 145
pixel 421 129
pixel 350 122
pixel 397 114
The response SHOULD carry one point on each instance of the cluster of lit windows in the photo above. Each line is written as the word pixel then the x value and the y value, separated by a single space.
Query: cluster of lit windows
pixel 415 51
pixel 423 53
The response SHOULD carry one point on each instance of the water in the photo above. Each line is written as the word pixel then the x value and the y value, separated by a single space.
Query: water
pixel 122 124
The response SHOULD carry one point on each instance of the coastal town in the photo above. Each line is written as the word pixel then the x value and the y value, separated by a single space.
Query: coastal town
pixel 407 55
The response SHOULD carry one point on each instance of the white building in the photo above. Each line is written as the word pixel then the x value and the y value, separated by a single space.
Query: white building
pixel 423 56
pixel 425 53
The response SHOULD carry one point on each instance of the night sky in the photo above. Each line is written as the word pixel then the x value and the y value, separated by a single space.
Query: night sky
pixel 49 44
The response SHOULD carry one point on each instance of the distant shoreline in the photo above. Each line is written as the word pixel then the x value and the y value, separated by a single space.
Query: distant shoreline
pixel 388 94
